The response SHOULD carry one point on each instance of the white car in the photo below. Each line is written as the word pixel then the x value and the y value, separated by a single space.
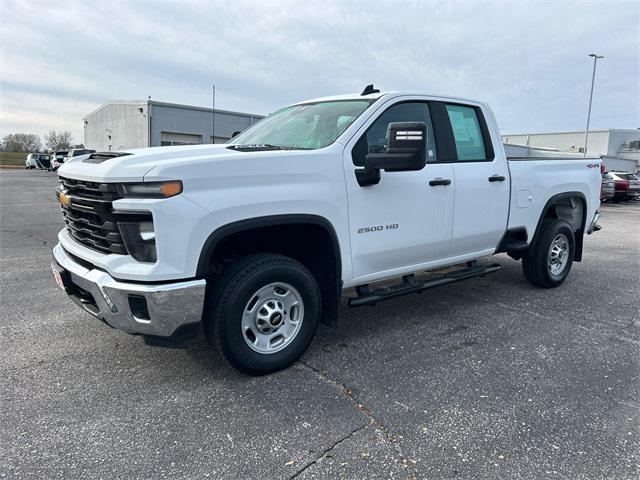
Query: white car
pixel 258 238
pixel 69 155
pixel 57 159
pixel 40 161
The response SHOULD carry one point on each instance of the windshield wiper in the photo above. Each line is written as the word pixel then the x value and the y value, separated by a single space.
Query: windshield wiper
pixel 255 147
pixel 261 147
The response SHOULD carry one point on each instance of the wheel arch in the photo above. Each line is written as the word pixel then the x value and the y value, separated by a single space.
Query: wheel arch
pixel 302 233
pixel 563 206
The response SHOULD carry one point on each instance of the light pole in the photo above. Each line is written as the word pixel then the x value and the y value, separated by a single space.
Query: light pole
pixel 593 78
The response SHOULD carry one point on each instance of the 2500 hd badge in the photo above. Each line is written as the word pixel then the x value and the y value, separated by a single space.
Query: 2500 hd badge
pixel 378 228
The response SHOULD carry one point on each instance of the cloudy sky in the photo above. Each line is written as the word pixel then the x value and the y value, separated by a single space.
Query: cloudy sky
pixel 528 59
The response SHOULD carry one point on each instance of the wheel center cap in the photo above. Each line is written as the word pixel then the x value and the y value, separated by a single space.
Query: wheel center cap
pixel 276 319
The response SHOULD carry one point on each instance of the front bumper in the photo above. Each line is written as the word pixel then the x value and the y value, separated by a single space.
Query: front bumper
pixel 157 310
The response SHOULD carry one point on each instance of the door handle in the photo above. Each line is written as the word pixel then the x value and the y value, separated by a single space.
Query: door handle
pixel 496 178
pixel 439 181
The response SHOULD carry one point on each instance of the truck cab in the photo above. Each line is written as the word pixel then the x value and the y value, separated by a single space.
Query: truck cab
pixel 255 240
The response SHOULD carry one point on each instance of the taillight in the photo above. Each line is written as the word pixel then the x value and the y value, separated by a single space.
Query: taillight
pixel 622 184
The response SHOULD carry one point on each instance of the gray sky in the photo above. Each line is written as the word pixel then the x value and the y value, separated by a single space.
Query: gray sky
pixel 61 60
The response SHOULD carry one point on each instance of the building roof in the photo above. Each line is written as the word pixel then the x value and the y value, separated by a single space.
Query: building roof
pixel 171 105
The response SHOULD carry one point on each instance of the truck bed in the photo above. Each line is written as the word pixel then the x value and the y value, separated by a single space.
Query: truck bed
pixel 535 180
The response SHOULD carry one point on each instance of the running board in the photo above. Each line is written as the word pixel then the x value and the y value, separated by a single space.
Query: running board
pixel 411 285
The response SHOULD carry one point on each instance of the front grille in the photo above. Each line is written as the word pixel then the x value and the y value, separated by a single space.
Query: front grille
pixel 90 190
pixel 90 218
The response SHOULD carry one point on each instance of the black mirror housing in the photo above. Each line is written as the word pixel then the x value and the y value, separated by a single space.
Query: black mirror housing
pixel 406 149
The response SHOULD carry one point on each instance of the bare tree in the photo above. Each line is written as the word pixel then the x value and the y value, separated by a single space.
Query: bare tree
pixel 21 142
pixel 58 141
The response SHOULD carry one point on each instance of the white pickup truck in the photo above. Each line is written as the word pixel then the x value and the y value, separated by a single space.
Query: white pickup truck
pixel 256 239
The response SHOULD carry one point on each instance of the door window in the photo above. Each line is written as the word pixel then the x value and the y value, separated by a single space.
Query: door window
pixel 467 133
pixel 375 139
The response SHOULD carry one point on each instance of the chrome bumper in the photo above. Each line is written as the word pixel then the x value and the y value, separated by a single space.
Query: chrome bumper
pixel 594 227
pixel 154 309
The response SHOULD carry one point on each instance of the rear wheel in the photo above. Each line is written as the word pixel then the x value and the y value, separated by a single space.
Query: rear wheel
pixel 263 312
pixel 549 263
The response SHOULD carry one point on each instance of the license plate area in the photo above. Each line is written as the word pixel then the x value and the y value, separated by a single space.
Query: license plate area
pixel 61 277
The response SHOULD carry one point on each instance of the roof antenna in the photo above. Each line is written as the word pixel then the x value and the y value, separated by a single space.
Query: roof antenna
pixel 368 90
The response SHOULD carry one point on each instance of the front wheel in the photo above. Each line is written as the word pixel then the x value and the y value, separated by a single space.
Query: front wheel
pixel 549 263
pixel 263 312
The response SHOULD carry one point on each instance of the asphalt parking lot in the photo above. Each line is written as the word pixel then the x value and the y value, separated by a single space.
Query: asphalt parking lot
pixel 491 378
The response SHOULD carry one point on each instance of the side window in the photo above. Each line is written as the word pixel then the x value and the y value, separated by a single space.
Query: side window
pixel 466 133
pixel 375 138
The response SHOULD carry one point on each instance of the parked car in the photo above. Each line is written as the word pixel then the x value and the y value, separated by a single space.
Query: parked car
pixel 75 152
pixel 607 187
pixel 41 161
pixel 30 161
pixel 627 186
pixel 57 158
pixel 321 196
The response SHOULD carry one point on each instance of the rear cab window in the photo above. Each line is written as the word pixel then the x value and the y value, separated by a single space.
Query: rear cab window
pixel 467 133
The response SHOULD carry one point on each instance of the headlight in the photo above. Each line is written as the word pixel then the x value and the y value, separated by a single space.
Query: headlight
pixel 151 189
pixel 140 240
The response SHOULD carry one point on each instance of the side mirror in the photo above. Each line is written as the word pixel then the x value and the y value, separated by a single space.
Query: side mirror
pixel 236 133
pixel 406 149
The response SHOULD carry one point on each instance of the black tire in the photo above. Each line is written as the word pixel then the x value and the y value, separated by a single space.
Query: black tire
pixel 232 291
pixel 535 265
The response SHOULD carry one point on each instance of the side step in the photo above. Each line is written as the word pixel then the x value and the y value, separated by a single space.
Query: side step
pixel 411 285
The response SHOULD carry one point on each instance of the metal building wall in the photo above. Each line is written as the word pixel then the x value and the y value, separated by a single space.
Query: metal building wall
pixel 117 126
pixel 125 125
pixel 563 141
pixel 195 121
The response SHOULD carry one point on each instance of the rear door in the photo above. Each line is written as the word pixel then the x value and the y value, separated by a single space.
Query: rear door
pixel 481 181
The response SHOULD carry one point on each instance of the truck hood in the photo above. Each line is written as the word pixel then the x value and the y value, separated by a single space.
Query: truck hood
pixel 132 165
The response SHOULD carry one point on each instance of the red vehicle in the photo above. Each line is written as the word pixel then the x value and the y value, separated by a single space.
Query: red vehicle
pixel 627 186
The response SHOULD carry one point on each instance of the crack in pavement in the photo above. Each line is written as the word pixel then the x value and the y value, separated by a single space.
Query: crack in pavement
pixel 328 450
pixel 373 420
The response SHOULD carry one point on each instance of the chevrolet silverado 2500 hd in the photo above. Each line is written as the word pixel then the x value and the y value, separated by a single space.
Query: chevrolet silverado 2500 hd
pixel 257 238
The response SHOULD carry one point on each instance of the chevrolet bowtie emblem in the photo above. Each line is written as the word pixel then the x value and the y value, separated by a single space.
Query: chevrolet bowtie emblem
pixel 65 200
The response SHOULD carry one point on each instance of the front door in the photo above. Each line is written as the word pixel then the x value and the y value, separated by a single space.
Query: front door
pixel 405 220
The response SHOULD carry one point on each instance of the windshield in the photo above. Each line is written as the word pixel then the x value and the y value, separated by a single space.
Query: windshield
pixel 307 126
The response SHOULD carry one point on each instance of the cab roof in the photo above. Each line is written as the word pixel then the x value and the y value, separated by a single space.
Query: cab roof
pixel 375 96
